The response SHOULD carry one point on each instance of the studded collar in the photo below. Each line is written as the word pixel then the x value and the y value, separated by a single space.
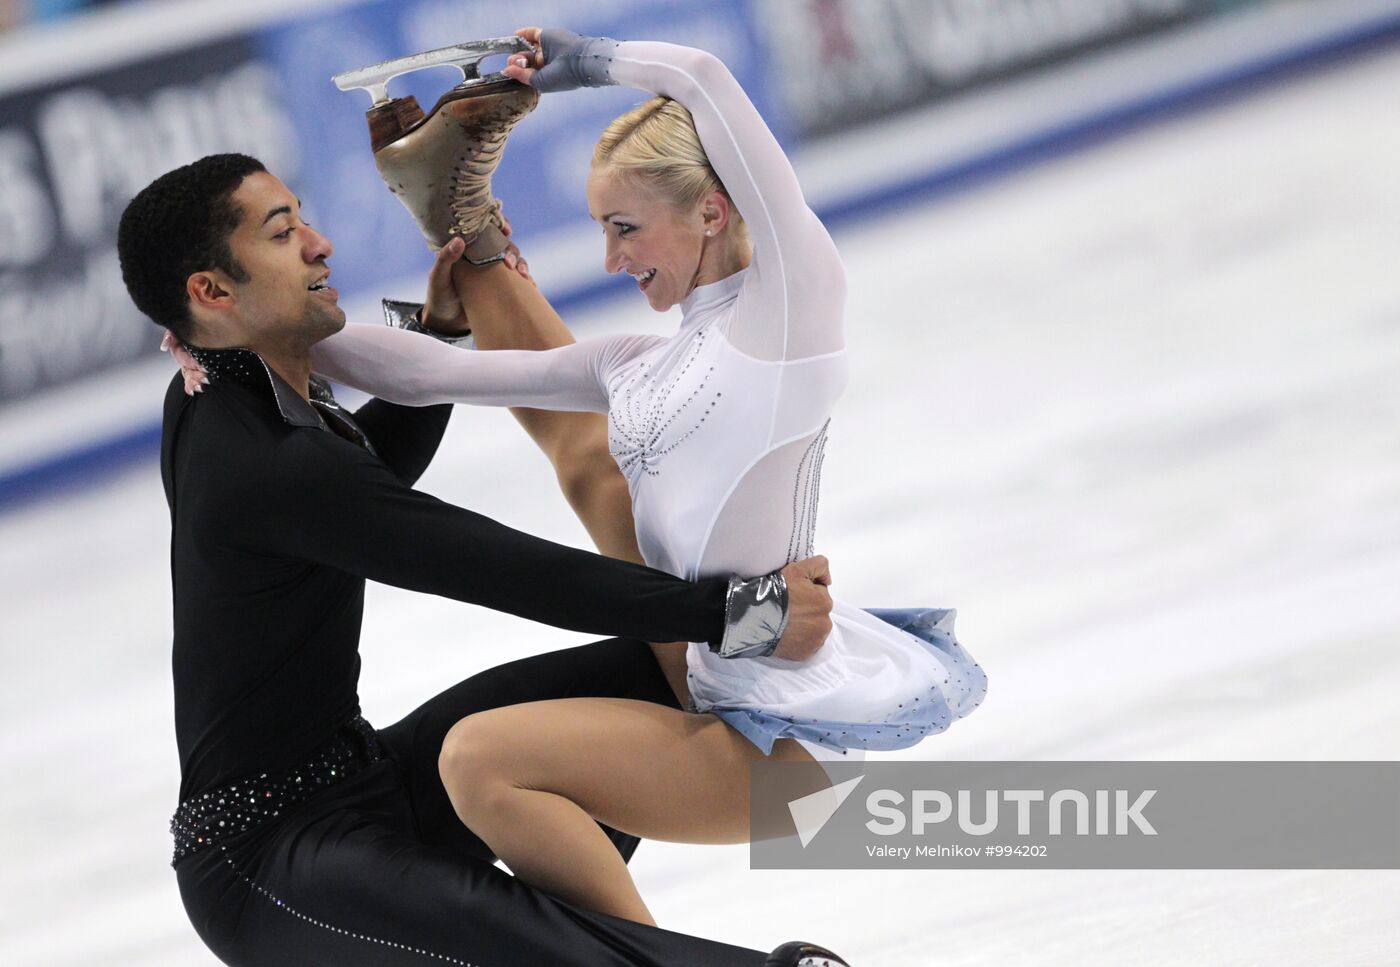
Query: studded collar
pixel 247 368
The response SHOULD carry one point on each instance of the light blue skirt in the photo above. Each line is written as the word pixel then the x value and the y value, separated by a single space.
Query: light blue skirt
pixel 903 725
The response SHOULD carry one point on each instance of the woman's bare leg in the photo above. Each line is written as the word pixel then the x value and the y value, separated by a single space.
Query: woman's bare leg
pixel 508 312
pixel 531 780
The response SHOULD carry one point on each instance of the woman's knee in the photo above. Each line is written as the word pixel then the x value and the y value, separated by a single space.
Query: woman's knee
pixel 474 761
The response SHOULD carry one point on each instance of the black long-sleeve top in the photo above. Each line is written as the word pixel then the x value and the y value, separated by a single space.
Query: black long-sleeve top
pixel 281 509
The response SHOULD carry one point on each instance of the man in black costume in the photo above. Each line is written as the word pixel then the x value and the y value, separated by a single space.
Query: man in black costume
pixel 304 835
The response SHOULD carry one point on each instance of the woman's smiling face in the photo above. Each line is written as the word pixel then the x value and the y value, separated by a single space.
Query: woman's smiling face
pixel 647 237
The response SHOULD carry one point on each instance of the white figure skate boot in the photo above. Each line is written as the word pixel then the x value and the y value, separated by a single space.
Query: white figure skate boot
pixel 440 164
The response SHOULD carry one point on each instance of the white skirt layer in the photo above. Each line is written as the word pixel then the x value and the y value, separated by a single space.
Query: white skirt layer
pixel 879 682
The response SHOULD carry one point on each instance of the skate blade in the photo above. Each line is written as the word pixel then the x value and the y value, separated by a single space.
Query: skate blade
pixel 465 57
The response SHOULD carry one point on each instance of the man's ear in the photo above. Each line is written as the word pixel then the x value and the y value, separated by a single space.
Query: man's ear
pixel 208 290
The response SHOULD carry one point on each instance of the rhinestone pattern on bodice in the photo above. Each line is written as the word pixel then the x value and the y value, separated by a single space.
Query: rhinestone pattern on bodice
pixel 647 408
pixel 689 421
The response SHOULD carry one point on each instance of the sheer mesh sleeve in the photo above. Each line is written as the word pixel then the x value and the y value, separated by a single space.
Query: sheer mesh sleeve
pixel 793 303
pixel 411 368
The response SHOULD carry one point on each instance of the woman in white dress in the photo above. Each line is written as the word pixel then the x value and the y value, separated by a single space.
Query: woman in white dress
pixel 719 431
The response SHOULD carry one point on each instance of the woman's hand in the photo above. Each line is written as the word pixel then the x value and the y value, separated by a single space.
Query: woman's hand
pixel 523 67
pixel 562 60
pixel 514 260
pixel 195 376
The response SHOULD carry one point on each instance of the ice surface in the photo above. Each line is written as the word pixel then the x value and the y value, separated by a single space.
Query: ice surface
pixel 1135 414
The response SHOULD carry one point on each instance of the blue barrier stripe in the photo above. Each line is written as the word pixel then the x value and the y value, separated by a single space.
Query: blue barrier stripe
pixel 1117 121
pixel 83 465
pixel 79 467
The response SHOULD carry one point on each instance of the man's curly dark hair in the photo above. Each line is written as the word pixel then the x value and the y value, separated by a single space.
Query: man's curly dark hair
pixel 176 226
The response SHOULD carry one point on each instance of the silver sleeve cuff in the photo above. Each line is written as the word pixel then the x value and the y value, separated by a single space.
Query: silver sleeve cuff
pixel 409 316
pixel 755 616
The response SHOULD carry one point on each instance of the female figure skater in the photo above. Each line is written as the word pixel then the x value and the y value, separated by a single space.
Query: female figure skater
pixel 719 431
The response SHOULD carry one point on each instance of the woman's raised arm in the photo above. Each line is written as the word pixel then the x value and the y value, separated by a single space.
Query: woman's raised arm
pixel 798 277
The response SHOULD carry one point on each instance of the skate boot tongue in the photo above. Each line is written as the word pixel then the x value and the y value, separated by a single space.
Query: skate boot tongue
pixel 440 164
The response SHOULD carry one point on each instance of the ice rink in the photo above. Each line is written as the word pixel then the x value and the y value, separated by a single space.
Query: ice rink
pixel 1135 413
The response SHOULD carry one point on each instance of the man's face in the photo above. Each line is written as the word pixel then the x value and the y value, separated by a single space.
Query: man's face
pixel 286 301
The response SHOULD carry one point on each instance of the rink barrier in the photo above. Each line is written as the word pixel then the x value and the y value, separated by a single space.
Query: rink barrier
pixel 87 464
pixel 78 467
pixel 1086 132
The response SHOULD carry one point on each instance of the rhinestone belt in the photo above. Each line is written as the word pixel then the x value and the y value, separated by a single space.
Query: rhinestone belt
pixel 212 817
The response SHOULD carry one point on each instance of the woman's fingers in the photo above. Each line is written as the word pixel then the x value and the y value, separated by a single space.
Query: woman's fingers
pixel 182 355
pixel 195 376
pixel 522 67
pixel 517 263
pixel 517 71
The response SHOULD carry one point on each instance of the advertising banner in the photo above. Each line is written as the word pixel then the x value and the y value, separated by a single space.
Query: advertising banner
pixel 843 62
pixel 72 155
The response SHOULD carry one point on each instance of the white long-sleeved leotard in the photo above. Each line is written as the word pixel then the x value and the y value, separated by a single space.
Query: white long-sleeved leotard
pixel 719 431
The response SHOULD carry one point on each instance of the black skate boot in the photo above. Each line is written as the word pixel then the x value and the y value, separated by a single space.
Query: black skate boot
pixel 799 954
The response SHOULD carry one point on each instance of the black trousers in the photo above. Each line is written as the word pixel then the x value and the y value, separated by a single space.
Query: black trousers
pixel 378 870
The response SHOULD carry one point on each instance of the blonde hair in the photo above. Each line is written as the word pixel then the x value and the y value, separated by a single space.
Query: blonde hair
pixel 655 143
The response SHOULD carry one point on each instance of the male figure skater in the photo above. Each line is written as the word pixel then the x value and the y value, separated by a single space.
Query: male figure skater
pixel 305 836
